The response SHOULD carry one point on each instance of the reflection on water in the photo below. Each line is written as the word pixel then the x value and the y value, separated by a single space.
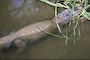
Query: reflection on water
pixel 19 8
pixel 49 47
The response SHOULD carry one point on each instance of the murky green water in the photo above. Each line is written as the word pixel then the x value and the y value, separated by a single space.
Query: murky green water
pixel 49 47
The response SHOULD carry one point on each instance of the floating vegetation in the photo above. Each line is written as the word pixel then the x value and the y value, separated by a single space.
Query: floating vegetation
pixel 70 4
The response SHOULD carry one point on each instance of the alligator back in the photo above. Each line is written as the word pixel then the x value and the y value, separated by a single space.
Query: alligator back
pixel 36 30
pixel 33 32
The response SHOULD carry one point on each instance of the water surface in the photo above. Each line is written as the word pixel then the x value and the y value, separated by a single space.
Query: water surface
pixel 47 48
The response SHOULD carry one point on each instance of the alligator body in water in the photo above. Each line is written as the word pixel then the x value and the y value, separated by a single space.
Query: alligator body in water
pixel 35 31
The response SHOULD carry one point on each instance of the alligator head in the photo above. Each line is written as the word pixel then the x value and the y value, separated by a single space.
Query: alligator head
pixel 67 15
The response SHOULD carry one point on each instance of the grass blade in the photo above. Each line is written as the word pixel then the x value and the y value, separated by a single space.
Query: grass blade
pixel 53 4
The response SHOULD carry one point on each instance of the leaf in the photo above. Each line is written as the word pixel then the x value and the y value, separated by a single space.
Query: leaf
pixel 87 6
pixel 61 5
pixel 54 4
pixel 86 14
pixel 48 2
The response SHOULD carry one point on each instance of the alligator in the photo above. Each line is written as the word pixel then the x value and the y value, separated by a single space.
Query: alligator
pixel 37 30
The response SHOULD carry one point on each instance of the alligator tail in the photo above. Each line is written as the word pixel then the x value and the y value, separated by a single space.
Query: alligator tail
pixel 5 42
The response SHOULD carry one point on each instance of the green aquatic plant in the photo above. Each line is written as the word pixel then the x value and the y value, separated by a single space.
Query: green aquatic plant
pixel 54 4
pixel 70 4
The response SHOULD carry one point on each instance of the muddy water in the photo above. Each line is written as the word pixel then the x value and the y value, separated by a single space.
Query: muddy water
pixel 49 47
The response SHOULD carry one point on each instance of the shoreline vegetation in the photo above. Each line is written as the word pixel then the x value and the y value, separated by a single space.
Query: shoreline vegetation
pixel 83 16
